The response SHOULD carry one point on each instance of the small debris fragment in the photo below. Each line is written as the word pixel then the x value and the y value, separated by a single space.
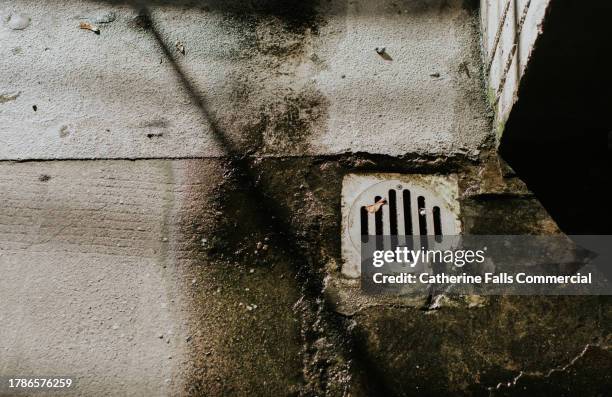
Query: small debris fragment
pixel 18 21
pixel 422 212
pixel 435 75
pixel 193 281
pixel 188 339
pixel 106 17
pixel 252 271
pixel 44 177
pixel 464 68
pixel 382 51
pixel 363 163
pixel 160 336
pixel 180 47
pixel 89 26
pixel 34 107
pixel 115 326
pixel 9 97
pixel 259 245
pixel 155 135
pixel 265 247
pixel 376 206
pixel 64 131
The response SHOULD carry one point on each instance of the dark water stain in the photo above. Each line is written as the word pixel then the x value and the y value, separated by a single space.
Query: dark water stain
pixel 288 124
pixel 279 123
pixel 64 131
pixel 295 15
pixel 292 206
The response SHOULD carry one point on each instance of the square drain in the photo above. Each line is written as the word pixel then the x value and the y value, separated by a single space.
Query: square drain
pixel 395 205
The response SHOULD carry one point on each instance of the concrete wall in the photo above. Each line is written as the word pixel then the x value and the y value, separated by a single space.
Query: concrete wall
pixel 510 29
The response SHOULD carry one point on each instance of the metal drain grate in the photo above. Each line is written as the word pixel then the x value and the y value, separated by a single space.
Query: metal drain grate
pixel 395 205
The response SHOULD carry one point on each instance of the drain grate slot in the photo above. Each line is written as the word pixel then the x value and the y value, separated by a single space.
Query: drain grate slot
pixel 378 218
pixel 437 221
pixel 395 205
pixel 407 213
pixel 392 213
pixel 422 216
pixel 364 222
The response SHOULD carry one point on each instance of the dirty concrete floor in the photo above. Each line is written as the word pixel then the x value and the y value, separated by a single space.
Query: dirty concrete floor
pixel 219 274
pixel 158 277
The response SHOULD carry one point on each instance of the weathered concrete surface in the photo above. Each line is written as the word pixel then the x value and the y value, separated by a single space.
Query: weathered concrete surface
pixel 476 345
pixel 250 320
pixel 276 78
pixel 101 280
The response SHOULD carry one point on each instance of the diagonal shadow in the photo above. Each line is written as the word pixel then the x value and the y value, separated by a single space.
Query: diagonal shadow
pixel 270 218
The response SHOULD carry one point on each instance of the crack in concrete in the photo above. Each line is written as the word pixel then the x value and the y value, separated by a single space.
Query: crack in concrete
pixel 513 382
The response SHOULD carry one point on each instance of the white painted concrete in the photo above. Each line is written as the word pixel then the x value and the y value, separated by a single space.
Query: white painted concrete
pixel 511 48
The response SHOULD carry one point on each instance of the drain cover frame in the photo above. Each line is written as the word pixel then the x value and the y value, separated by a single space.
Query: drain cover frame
pixel 359 190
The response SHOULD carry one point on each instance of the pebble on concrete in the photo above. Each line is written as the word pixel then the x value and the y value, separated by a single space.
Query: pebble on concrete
pixel 18 21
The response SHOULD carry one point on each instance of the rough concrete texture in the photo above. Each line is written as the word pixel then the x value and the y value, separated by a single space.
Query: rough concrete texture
pixel 101 281
pixel 88 289
pixel 276 78
pixel 240 257
pixel 229 257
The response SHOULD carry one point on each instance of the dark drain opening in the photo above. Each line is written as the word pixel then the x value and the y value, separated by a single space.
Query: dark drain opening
pixel 378 222
pixel 364 223
pixel 392 212
pixel 437 223
pixel 422 216
pixel 407 212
